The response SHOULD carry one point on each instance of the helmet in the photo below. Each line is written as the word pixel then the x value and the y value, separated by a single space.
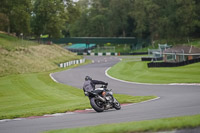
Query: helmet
pixel 88 78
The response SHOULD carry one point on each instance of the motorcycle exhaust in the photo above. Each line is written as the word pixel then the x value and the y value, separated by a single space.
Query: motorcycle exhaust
pixel 101 98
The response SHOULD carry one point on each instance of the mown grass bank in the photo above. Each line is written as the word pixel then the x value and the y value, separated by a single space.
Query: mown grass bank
pixel 137 71
pixel 140 126
pixel 19 57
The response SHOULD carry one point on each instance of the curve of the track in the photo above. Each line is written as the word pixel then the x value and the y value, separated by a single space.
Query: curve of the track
pixel 175 100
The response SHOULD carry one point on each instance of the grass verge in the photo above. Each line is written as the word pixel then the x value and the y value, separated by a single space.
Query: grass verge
pixel 137 71
pixel 140 126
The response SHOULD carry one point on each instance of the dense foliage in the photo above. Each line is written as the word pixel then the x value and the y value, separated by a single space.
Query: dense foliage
pixel 157 19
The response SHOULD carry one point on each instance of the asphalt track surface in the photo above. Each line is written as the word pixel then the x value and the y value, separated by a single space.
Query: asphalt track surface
pixel 175 100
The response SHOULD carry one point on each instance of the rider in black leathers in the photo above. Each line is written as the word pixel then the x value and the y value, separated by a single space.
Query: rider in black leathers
pixel 89 84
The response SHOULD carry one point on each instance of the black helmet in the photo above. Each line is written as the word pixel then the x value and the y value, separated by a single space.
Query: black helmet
pixel 88 78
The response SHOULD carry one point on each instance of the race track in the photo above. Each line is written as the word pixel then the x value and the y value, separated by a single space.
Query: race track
pixel 175 100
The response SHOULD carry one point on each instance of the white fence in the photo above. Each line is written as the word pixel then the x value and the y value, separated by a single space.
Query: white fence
pixel 101 54
pixel 69 63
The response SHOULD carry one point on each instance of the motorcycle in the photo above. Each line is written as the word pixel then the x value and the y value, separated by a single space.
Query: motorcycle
pixel 102 99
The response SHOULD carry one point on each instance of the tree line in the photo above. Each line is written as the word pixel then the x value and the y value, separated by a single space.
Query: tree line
pixel 157 19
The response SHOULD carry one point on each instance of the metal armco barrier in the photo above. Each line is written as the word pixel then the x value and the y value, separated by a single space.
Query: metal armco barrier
pixel 173 64
pixel 151 58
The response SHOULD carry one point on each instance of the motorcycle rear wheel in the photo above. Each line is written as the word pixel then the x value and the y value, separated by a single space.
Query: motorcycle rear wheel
pixel 96 105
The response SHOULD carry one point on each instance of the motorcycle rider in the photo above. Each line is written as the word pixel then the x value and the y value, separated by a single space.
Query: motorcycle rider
pixel 100 99
pixel 89 84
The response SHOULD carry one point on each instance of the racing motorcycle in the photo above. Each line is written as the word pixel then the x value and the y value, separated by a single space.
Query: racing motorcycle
pixel 102 99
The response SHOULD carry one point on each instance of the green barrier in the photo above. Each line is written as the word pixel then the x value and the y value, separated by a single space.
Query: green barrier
pixel 112 53
pixel 95 40
pixel 79 53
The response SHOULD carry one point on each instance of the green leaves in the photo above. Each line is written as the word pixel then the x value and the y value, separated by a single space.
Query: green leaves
pixel 16 16
pixel 157 19
pixel 49 17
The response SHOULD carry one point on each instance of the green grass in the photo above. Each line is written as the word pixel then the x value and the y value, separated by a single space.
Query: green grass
pixel 137 71
pixel 140 126
pixel 195 43
pixel 36 94
pixel 12 43
pixel 17 57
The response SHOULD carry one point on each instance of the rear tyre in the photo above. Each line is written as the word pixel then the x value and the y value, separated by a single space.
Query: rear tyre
pixel 97 105
pixel 116 105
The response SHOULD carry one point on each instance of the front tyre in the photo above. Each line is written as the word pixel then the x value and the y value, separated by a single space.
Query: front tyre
pixel 96 104
pixel 116 104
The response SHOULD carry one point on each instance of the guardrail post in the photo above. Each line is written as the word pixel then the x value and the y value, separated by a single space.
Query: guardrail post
pixel 61 65
pixel 69 63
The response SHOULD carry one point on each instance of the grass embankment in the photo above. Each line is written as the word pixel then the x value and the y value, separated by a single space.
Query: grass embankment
pixel 140 126
pixel 25 86
pixel 137 71
pixel 18 57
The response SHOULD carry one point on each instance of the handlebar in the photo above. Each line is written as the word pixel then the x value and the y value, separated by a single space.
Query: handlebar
pixel 104 86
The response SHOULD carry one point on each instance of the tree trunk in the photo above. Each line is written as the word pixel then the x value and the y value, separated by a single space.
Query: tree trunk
pixel 152 40
pixel 124 33
pixel 8 29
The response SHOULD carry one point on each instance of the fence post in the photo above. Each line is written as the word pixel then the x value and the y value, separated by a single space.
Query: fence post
pixel 61 65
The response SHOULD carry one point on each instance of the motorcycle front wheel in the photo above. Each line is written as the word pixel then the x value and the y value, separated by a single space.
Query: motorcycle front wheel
pixel 116 105
pixel 97 105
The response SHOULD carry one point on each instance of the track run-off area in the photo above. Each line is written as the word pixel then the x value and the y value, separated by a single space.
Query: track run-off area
pixel 174 100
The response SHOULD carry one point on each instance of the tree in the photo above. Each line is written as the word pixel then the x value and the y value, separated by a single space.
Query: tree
pixel 4 22
pixel 93 19
pixel 164 19
pixel 73 13
pixel 49 17
pixel 80 28
pixel 18 15
pixel 103 18
pixel 98 18
pixel 196 32
pixel 119 15
pixel 146 14
pixel 177 18
pixel 185 17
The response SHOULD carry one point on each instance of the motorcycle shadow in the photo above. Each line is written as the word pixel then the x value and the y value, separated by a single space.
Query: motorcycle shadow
pixel 105 111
